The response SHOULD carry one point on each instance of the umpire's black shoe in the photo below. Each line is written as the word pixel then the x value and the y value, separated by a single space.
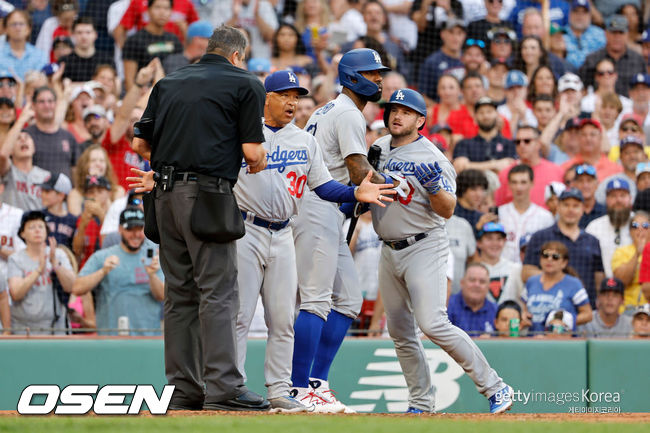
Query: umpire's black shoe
pixel 247 401
pixel 175 406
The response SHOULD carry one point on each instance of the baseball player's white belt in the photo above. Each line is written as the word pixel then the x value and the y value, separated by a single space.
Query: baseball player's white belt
pixel 261 222
pixel 401 244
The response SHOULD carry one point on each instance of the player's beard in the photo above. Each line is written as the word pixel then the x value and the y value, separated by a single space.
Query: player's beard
pixel 487 127
pixel 619 217
pixel 403 133
pixel 374 98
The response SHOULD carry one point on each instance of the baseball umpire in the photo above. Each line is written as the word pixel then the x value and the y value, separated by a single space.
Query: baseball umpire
pixel 413 258
pixel 199 123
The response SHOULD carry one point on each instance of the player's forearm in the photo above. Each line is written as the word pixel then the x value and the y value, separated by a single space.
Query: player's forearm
pixel 443 203
pixel 85 284
pixel 358 167
pixel 528 271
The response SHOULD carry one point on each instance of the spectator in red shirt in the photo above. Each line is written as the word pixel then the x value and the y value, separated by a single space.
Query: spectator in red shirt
pixel 117 140
pixel 136 16
pixel 462 121
pixel 97 200
pixel 644 272
pixel 528 147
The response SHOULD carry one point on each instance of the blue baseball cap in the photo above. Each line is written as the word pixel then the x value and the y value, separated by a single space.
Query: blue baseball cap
pixel 523 241
pixel 258 64
pixel 617 183
pixel 645 37
pixel 50 69
pixel 640 79
pixel 516 78
pixel 630 140
pixel 492 227
pixel 572 193
pixel 580 4
pixel 201 29
pixel 283 80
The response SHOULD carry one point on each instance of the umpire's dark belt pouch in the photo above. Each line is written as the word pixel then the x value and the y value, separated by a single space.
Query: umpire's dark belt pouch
pixel 216 216
pixel 150 223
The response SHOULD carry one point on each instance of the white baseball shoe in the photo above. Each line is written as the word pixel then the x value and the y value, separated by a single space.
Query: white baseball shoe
pixel 314 401
pixel 323 387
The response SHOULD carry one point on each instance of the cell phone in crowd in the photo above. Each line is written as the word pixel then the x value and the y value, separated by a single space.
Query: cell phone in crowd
pixel 149 256
pixel 494 210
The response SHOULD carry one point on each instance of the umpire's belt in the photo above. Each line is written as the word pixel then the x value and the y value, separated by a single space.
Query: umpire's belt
pixel 264 223
pixel 400 245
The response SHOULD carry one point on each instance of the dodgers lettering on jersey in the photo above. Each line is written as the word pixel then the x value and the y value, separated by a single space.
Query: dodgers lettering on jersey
pixel 340 130
pixel 294 162
pixel 410 215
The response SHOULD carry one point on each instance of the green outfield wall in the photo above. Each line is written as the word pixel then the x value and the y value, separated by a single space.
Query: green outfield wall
pixel 548 375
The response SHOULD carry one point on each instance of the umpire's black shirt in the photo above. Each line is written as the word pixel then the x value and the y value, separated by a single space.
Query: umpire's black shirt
pixel 203 113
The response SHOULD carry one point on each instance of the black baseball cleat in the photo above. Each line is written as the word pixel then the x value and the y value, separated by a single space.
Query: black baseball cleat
pixel 247 401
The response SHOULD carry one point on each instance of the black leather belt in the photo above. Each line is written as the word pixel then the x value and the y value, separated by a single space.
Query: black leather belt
pixel 185 176
pixel 400 245
pixel 260 222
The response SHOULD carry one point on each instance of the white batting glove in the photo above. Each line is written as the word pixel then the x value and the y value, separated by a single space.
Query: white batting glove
pixel 403 189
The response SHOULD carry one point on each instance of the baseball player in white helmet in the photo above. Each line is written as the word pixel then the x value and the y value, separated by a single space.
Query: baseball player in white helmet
pixel 414 258
pixel 330 293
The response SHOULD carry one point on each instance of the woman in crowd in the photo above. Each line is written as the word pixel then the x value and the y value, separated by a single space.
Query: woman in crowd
pixel 557 287
pixel 312 20
pixel 17 54
pixel 605 77
pixel 449 93
pixel 35 302
pixel 634 24
pixel 530 55
pixel 543 82
pixel 288 48
pixel 93 162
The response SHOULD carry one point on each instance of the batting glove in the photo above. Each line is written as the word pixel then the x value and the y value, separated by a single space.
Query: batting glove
pixel 429 176
pixel 403 188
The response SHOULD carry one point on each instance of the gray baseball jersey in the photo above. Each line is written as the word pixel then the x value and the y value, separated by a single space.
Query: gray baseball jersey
pixel 22 190
pixel 294 161
pixel 412 280
pixel 266 258
pixel 339 128
pixel 414 211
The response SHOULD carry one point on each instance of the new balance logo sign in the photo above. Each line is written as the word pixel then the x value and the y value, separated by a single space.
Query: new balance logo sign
pixel 377 58
pixel 109 400
pixel 292 78
pixel 399 96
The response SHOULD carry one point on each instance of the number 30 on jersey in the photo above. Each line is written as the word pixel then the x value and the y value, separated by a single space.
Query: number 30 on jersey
pixel 297 184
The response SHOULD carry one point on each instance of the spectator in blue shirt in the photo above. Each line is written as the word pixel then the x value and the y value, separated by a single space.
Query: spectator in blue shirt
pixel 443 60
pixel 557 287
pixel 559 13
pixel 129 281
pixel 470 309
pixel 583 249
pixel 581 37
pixel 586 181
pixel 16 54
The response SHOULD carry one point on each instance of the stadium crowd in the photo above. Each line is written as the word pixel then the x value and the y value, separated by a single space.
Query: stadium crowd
pixel 542 106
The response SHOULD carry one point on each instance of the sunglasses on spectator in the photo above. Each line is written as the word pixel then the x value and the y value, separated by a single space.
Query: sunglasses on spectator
pixel 635 225
pixel 93 116
pixel 135 202
pixel 554 256
pixel 585 169
pixel 518 141
pixel 629 129
pixel 7 84
pixel 475 42
pixel 603 73
pixel 502 41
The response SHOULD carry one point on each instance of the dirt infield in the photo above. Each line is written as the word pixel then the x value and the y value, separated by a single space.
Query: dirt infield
pixel 478 417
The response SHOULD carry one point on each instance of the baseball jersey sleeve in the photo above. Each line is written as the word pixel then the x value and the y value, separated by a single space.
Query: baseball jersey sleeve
pixel 448 180
pixel 318 173
pixel 351 130
pixel 644 268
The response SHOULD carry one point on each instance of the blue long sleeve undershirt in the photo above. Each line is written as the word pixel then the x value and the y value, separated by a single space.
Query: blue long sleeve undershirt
pixel 336 192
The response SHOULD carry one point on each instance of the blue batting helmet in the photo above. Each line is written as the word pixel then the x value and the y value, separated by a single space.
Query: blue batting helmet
pixel 360 60
pixel 408 98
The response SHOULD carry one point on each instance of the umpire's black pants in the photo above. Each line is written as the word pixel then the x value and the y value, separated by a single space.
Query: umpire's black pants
pixel 201 304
